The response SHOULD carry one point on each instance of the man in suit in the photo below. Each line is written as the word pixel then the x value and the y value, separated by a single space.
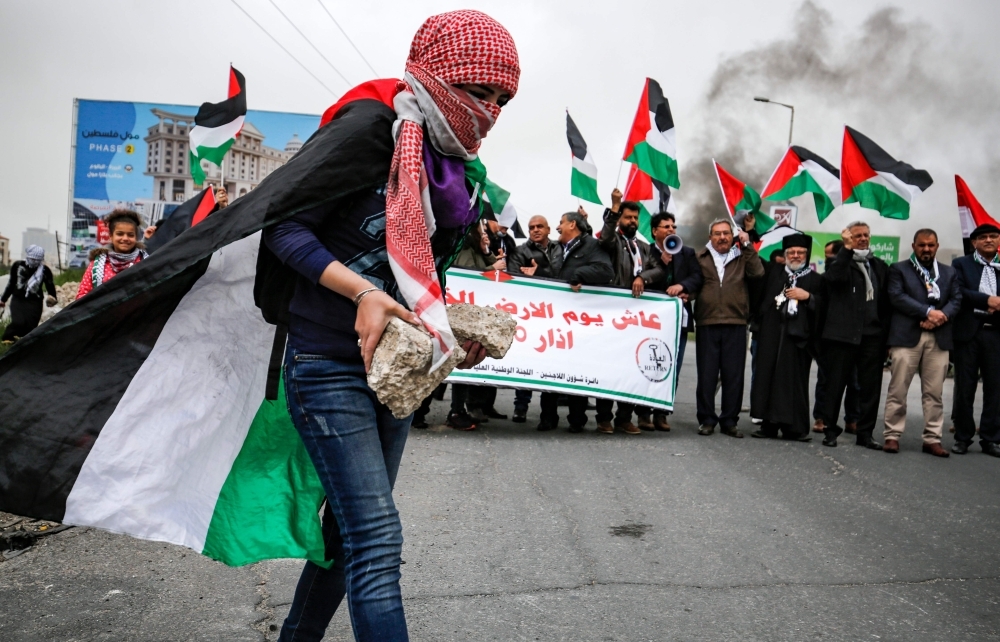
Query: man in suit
pixel 854 334
pixel 925 298
pixel 678 275
pixel 977 342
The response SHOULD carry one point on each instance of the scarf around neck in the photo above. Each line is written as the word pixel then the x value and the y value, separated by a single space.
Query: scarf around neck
pixel 119 261
pixel 448 49
pixel 860 261
pixel 34 258
pixel 793 280
pixel 633 248
pixel 722 260
pixel 930 280
pixel 988 279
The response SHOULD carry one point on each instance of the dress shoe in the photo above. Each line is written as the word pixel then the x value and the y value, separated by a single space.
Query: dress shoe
pixel 802 438
pixel 936 450
pixel 851 427
pixel 868 443
pixel 478 416
pixel 644 422
pixel 605 427
pixel 545 426
pixel 520 416
pixel 419 422
pixel 661 423
pixel 706 430
pixel 460 421
pixel 492 413
pixel 629 428
pixel 818 426
pixel 760 434
pixel 731 432
pixel 890 446
pixel 829 441
pixel 990 448
pixel 960 448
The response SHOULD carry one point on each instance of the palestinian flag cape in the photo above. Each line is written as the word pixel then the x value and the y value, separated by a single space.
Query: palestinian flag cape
pixel 216 126
pixel 583 183
pixel 877 181
pixel 652 196
pixel 970 213
pixel 188 214
pixel 771 241
pixel 802 172
pixel 141 407
pixel 652 143
pixel 741 199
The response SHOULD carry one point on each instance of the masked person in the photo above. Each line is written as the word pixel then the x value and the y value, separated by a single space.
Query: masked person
pixel 786 340
pixel 358 257
pixel 24 289
pixel 125 251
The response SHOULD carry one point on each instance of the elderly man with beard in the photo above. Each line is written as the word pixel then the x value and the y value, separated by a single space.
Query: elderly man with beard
pixel 925 297
pixel 786 342
pixel 855 331
pixel 721 314
pixel 977 342
pixel 628 256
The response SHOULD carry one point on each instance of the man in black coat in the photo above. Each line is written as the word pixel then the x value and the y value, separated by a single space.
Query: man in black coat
pixel 925 297
pixel 584 263
pixel 855 330
pixel 678 275
pixel 786 342
pixel 977 343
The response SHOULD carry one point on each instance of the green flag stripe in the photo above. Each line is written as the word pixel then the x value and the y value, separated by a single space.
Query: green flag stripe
pixel 272 470
pixel 212 154
pixel 803 183
pixel 583 186
pixel 656 164
pixel 873 196
pixel 645 219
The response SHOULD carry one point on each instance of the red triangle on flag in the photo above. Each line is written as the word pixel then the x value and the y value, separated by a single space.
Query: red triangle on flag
pixel 732 188
pixel 498 275
pixel 641 125
pixel 854 167
pixel 639 186
pixel 970 212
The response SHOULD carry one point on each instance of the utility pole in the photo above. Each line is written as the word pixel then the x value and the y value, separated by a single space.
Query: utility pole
pixel 791 123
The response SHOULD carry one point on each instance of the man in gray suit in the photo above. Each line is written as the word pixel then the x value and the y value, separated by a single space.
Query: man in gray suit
pixel 925 297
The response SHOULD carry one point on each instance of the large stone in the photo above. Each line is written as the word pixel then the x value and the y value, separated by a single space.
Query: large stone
pixel 399 374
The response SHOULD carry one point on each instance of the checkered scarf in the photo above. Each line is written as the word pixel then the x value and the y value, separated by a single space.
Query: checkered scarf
pixel 988 279
pixel 450 48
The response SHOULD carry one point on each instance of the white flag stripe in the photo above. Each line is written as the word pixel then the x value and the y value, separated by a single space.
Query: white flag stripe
pixel 214 136
pixel 663 142
pixel 586 166
pixel 905 190
pixel 826 180
pixel 968 222
pixel 161 459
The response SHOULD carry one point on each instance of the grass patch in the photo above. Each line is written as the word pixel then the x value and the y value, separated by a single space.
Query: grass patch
pixel 4 322
pixel 70 275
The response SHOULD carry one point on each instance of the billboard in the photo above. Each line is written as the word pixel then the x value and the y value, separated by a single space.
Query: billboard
pixel 135 155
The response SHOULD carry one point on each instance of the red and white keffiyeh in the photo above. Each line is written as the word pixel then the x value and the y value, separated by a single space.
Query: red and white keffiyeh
pixel 450 48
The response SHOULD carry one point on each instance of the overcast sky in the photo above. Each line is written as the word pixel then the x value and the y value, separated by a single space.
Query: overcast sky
pixel 588 56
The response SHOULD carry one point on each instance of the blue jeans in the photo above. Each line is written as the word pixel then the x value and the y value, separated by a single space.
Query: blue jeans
pixel 356 445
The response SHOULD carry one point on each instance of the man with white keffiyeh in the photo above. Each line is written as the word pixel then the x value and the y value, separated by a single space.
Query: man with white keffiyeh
pixel 977 342
pixel 925 299
pixel 24 289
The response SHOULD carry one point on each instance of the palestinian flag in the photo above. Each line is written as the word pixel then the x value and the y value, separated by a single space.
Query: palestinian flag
pixel 771 241
pixel 216 126
pixel 141 408
pixel 652 143
pixel 188 214
pixel 802 172
pixel 970 213
pixel 741 199
pixel 652 196
pixel 583 183
pixel 503 209
pixel 877 181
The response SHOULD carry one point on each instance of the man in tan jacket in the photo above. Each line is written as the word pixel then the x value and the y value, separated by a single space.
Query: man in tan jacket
pixel 721 312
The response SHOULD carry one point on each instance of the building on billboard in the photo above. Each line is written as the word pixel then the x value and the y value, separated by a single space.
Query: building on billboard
pixel 44 239
pixel 4 251
pixel 246 164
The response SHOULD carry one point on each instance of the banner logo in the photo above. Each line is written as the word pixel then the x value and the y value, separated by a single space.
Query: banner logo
pixel 654 359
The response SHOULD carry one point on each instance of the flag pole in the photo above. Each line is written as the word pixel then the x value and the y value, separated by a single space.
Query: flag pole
pixel 619 177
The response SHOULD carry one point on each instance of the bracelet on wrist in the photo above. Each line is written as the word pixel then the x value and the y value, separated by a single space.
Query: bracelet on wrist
pixel 362 294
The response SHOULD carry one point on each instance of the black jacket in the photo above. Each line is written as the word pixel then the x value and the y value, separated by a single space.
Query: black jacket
pixel 968 321
pixel 845 299
pixel 586 264
pixel 549 259
pixel 908 295
pixel 21 293
pixel 686 273
pixel 617 248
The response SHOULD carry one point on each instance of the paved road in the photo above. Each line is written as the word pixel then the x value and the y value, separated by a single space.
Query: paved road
pixel 513 534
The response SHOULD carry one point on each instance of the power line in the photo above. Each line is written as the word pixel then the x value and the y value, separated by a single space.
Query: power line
pixel 349 83
pixel 348 37
pixel 306 69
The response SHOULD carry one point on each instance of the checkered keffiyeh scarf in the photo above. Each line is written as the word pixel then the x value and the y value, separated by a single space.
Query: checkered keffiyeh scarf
pixel 34 260
pixel 988 280
pixel 450 48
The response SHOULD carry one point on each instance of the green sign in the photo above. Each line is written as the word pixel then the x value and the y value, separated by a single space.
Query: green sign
pixel 884 247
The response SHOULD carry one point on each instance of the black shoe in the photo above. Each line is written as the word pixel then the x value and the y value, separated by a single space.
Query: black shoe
pixel 544 426
pixel 520 416
pixel 830 441
pixel 478 416
pixel 419 423
pixel 731 432
pixel 802 438
pixel 960 448
pixel 706 430
pixel 760 434
pixel 868 443
pixel 492 413
pixel 575 429
pixel 990 448
pixel 460 421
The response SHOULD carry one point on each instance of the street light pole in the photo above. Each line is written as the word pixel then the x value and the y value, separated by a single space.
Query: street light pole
pixel 791 123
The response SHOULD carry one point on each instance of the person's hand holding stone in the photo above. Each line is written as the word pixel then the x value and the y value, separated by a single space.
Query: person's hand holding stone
pixel 374 312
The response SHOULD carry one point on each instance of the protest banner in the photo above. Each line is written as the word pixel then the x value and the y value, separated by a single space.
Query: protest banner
pixel 599 342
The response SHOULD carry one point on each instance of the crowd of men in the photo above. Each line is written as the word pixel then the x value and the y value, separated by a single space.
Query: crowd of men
pixel 918 315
